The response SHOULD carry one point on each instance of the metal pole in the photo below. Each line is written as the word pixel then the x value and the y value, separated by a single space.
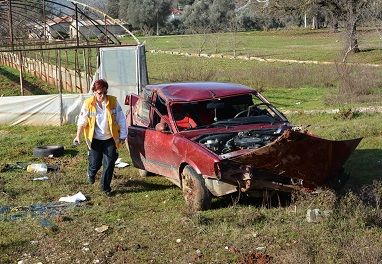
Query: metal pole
pixel 77 31
pixel 45 24
pixel 21 73
pixel 86 70
pixel 60 87
pixel 107 41
pixel 10 20
pixel 75 69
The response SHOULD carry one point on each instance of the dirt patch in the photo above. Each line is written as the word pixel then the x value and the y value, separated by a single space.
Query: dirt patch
pixel 255 258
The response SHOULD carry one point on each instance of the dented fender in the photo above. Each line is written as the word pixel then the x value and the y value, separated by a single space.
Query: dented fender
pixel 298 155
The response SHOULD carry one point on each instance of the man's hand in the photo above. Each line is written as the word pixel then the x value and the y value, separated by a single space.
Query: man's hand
pixel 76 141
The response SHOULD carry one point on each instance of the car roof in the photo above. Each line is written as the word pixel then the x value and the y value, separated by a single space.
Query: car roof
pixel 194 91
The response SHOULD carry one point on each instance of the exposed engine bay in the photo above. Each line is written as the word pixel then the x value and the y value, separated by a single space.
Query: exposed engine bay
pixel 229 142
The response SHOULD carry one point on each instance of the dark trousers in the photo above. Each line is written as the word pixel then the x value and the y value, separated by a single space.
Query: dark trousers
pixel 102 152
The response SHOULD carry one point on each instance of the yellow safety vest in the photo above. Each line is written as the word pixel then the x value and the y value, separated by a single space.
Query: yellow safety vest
pixel 111 114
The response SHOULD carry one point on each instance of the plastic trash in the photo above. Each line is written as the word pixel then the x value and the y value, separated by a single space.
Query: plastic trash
pixel 101 229
pixel 41 168
pixel 78 197
pixel 317 215
pixel 40 178
pixel 120 164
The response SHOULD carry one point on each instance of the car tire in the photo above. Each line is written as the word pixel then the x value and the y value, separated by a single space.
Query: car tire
pixel 194 190
pixel 46 151
pixel 144 173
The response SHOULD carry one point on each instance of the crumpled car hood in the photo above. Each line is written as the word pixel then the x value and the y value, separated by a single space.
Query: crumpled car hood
pixel 298 155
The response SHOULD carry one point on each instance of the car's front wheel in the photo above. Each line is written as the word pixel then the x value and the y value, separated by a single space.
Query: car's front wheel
pixel 194 190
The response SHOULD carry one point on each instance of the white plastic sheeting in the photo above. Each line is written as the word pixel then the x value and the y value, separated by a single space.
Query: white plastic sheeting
pixel 124 68
pixel 41 109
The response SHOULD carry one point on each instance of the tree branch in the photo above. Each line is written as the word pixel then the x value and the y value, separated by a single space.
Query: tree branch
pixel 266 2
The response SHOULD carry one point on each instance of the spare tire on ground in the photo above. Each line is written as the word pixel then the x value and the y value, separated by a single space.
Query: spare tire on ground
pixel 46 151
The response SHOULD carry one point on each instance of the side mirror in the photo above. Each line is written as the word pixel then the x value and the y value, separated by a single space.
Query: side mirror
pixel 127 100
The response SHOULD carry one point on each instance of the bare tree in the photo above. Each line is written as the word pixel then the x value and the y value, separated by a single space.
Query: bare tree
pixel 350 12
pixel 375 17
pixel 198 21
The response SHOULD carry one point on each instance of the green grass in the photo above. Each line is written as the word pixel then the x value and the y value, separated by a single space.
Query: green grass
pixel 147 216
pixel 366 126
pixel 10 83
pixel 301 44
pixel 289 86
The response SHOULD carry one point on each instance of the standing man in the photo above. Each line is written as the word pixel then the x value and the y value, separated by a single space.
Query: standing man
pixel 104 126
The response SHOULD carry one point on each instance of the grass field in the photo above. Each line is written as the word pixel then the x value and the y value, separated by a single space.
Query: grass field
pixel 146 219
pixel 290 86
pixel 320 45
pixel 10 84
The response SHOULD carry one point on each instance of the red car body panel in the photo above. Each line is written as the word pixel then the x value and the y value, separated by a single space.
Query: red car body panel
pixel 248 146
pixel 294 154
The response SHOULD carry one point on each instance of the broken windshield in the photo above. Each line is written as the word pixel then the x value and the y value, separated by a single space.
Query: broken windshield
pixel 235 110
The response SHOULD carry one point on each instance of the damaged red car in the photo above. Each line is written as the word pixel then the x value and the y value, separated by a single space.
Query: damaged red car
pixel 213 139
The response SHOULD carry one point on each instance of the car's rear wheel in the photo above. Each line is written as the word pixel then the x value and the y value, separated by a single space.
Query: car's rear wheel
pixel 194 190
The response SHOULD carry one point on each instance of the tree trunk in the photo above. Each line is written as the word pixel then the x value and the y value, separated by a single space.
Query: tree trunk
pixel 314 22
pixel 157 25
pixel 305 21
pixel 334 24
pixel 353 39
pixel 352 43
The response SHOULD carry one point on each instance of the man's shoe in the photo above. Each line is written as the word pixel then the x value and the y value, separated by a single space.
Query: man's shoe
pixel 91 179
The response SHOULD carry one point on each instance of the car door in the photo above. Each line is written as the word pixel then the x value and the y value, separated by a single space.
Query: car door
pixel 153 150
pixel 140 117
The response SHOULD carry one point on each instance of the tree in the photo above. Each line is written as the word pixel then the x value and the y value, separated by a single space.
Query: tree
pixel 350 12
pixel 186 2
pixel 101 5
pixel 222 12
pixel 375 17
pixel 286 12
pixel 197 16
pixel 123 7
pixel 113 8
pixel 148 15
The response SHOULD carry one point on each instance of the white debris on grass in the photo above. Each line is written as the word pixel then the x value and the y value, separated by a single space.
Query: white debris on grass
pixel 78 197
pixel 316 215
pixel 101 229
pixel 260 248
pixel 40 179
pixel 120 164
pixel 85 249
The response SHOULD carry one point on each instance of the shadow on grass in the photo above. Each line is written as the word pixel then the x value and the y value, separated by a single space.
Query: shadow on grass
pixel 71 152
pixel 136 186
pixel 28 86
pixel 268 200
pixel 369 50
pixel 364 166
